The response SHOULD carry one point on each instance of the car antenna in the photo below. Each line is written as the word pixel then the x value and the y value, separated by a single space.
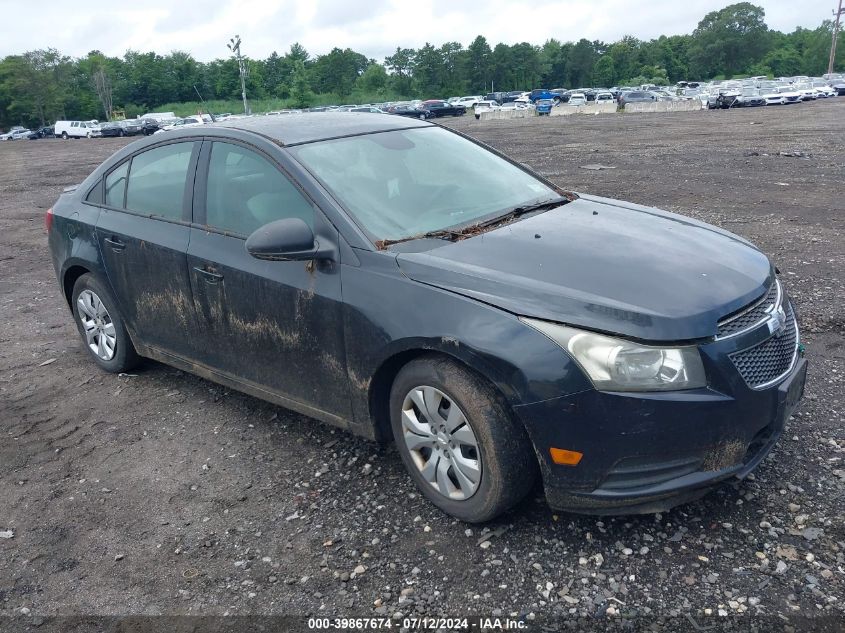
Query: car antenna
pixel 203 104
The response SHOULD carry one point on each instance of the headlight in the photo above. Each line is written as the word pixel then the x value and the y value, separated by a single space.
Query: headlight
pixel 615 364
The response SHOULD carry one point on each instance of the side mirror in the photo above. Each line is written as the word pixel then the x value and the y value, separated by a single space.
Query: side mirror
pixel 290 239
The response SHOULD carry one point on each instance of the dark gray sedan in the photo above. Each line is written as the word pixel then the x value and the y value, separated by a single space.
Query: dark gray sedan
pixel 399 280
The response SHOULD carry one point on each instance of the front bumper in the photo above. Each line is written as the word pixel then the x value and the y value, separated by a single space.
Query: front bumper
pixel 647 452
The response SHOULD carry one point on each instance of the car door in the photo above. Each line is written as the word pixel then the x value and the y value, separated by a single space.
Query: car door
pixel 143 233
pixel 272 324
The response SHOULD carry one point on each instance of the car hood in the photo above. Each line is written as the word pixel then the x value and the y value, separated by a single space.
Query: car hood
pixel 604 265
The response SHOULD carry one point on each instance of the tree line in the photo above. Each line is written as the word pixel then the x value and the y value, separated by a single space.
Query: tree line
pixel 40 86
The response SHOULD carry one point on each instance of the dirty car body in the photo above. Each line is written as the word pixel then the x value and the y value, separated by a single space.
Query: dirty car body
pixel 661 351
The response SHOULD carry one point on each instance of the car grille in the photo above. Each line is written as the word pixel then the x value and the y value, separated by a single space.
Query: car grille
pixel 772 359
pixel 751 315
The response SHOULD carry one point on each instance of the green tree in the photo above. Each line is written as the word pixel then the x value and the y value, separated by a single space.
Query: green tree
pixel 604 72
pixel 783 62
pixel 401 65
pixel 477 64
pixel 729 41
pixel 300 92
pixel 580 66
pixel 429 71
pixel 374 79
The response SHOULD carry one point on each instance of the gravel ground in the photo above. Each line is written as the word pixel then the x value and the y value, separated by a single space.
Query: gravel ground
pixel 162 493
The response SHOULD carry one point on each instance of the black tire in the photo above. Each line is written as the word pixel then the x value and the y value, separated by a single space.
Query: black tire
pixel 120 133
pixel 509 466
pixel 423 117
pixel 125 357
pixel 64 136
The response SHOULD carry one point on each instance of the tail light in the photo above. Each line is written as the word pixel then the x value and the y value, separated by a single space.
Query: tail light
pixel 48 219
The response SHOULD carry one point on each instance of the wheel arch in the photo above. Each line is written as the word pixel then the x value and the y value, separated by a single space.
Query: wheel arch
pixel 384 376
pixel 71 275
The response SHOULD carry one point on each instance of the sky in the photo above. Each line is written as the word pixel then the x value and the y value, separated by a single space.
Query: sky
pixel 374 28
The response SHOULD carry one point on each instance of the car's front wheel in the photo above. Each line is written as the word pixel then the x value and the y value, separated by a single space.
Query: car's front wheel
pixel 459 441
pixel 100 325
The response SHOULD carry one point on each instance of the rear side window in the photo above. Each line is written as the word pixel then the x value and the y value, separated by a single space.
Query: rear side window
pixel 116 186
pixel 246 191
pixel 157 179
pixel 95 196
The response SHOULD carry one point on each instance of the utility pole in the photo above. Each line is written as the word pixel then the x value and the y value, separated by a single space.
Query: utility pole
pixel 234 45
pixel 838 14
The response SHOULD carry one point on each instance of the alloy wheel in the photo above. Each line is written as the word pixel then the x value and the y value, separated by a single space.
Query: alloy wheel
pixel 441 443
pixel 99 329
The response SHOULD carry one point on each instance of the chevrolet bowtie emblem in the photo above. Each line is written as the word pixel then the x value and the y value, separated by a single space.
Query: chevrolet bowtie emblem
pixel 777 322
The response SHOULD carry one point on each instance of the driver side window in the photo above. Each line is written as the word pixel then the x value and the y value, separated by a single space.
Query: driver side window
pixel 245 191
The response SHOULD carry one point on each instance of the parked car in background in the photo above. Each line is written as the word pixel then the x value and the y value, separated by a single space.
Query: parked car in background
pixel 485 106
pixel 17 135
pixel 42 132
pixel 774 98
pixel 387 277
pixel 469 101
pixel 790 94
pixel 112 128
pixel 75 129
pixel 749 97
pixel 515 105
pixel 636 96
pixel 577 99
pixel 190 121
pixel 370 109
pixel 151 126
pixel 410 111
pixel 544 106
pixel 605 96
pixel 511 96
pixel 159 116
pixel 543 93
pixel 439 108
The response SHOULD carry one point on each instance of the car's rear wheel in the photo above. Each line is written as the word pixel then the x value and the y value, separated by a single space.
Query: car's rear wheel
pixel 458 440
pixel 64 135
pixel 100 325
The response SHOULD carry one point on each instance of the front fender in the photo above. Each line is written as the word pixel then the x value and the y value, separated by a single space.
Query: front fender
pixel 387 315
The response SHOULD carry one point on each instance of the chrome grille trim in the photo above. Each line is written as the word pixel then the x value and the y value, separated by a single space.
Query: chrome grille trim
pixel 744 359
pixel 769 302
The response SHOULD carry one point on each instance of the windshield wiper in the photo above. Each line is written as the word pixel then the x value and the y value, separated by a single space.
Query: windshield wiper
pixel 515 212
pixel 443 234
pixel 472 229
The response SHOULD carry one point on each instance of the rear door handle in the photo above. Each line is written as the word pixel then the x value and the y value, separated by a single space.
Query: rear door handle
pixel 115 244
pixel 210 276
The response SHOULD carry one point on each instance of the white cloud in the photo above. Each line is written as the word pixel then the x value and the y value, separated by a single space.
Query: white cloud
pixel 376 28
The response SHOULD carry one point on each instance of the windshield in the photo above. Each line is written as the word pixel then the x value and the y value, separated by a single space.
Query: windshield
pixel 406 183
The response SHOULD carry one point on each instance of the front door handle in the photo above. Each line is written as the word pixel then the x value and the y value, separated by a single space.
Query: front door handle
pixel 115 244
pixel 209 275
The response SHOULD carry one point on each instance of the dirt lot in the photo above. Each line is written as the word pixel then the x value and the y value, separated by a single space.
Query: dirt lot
pixel 162 493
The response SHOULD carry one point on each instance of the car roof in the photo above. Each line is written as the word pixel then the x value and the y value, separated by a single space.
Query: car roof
pixel 318 126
